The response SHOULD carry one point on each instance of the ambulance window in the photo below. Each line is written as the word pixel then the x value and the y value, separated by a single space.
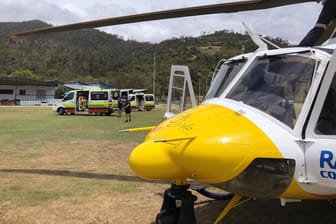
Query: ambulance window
pixel 124 95
pixel 149 98
pixel 68 96
pixel 326 124
pixel 115 95
pixel 98 95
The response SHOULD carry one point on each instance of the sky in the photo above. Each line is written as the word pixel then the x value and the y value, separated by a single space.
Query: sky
pixel 289 23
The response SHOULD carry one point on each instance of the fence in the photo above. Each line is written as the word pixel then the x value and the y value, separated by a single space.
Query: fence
pixel 33 101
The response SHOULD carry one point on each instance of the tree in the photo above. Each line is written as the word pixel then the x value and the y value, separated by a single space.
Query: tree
pixel 27 74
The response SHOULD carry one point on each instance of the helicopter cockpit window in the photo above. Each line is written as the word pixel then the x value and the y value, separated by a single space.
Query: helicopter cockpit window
pixel 276 85
pixel 326 124
pixel 225 75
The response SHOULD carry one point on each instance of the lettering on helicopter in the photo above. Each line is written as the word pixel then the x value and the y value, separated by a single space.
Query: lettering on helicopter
pixel 327 162
pixel 182 124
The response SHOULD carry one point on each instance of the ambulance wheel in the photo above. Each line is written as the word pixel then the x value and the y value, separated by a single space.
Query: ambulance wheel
pixel 61 111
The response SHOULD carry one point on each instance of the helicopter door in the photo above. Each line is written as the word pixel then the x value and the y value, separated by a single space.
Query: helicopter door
pixel 320 142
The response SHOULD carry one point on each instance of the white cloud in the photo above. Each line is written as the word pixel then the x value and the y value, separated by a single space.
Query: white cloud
pixel 23 10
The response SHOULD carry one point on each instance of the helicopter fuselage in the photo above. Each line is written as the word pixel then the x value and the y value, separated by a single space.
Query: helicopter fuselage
pixel 259 136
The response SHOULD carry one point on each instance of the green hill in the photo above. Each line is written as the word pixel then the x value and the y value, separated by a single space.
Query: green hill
pixel 92 55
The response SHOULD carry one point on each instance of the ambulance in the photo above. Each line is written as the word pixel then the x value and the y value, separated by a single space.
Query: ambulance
pixel 98 101
pixel 149 101
pixel 142 101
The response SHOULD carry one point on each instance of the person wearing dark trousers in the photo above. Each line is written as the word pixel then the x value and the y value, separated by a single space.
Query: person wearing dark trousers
pixel 127 108
pixel 327 14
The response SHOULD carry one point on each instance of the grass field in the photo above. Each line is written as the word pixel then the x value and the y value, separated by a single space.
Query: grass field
pixel 73 169
pixel 69 169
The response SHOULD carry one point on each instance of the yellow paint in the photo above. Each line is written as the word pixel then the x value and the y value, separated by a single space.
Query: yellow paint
pixel 152 160
pixel 180 181
pixel 140 129
pixel 216 145
pixel 232 203
pixel 294 191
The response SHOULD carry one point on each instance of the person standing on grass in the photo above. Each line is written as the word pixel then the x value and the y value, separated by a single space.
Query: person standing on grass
pixel 127 108
pixel 120 106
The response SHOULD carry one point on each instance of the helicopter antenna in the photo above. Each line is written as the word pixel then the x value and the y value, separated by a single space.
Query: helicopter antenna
pixel 269 42
pixel 256 39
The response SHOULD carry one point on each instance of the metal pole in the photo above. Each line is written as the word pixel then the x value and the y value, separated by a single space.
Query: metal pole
pixel 154 76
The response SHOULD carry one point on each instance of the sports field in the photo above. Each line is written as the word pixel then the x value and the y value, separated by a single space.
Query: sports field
pixel 73 169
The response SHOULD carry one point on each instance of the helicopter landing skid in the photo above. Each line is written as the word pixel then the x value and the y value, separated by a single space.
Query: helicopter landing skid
pixel 177 206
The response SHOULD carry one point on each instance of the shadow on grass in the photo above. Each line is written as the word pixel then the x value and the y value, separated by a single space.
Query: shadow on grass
pixel 265 211
pixel 77 174
pixel 261 211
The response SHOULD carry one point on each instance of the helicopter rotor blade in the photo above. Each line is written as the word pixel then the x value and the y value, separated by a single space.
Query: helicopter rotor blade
pixel 228 7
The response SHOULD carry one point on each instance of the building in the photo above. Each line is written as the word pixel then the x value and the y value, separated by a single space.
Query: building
pixel 20 91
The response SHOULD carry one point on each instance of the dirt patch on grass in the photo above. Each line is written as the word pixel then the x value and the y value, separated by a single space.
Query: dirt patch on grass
pixel 97 208
pixel 84 181
pixel 89 182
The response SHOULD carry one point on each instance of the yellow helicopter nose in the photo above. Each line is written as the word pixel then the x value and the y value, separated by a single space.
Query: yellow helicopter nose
pixel 209 143
pixel 152 160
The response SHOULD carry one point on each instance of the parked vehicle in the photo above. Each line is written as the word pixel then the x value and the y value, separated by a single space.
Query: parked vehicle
pixel 85 102
pixel 142 101
pixel 137 101
pixel 149 101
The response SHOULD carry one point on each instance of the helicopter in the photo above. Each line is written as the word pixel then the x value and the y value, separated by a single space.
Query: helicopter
pixel 268 131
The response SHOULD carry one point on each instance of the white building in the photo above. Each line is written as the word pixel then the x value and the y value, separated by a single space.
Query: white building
pixel 26 91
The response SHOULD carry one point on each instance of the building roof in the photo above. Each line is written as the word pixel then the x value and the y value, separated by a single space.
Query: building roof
pixel 81 85
pixel 24 82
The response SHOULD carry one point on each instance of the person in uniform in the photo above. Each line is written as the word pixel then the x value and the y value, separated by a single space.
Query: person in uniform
pixel 127 108
pixel 81 103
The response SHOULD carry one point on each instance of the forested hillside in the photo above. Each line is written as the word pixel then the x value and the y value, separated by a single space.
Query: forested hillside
pixel 91 55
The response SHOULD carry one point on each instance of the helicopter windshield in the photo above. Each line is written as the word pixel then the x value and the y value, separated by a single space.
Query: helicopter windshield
pixel 276 85
pixel 224 76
